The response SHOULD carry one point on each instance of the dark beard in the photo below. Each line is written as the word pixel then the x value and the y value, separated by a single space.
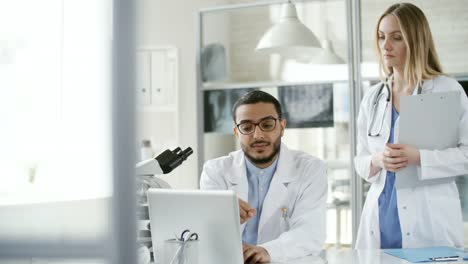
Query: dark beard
pixel 276 149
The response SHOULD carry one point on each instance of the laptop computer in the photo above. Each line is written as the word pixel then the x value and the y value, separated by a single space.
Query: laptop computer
pixel 213 215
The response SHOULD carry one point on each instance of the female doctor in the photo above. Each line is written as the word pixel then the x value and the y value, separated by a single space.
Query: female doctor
pixel 423 216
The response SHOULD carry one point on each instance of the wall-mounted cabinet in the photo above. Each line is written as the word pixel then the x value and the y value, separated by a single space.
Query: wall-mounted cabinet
pixel 157 78
pixel 157 88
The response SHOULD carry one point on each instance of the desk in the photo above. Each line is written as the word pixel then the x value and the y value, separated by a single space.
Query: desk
pixel 345 256
pixel 333 256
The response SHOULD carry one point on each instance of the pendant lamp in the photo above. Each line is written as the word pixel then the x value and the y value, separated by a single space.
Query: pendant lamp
pixel 327 55
pixel 289 37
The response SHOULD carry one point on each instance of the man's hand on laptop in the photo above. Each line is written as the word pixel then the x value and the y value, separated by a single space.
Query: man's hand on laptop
pixel 255 254
pixel 246 212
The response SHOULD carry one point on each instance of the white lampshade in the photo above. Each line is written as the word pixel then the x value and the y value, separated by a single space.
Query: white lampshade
pixel 327 55
pixel 289 37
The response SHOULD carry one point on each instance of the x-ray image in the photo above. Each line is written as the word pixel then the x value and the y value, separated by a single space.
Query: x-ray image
pixel 218 106
pixel 213 62
pixel 307 105
pixel 303 106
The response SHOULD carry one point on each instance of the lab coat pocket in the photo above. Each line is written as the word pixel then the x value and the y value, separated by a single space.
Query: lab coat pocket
pixel 284 220
pixel 377 143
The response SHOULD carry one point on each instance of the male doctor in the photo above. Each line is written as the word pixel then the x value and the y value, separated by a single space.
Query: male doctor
pixel 282 193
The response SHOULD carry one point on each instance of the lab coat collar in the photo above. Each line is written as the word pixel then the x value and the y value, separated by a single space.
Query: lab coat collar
pixel 283 169
pixel 278 190
pixel 285 173
pixel 240 173
pixel 426 87
pixel 237 176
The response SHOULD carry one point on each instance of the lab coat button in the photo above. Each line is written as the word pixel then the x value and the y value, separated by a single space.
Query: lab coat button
pixel 408 234
pixel 372 232
pixel 404 207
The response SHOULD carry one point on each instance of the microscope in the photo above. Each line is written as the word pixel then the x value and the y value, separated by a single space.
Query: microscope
pixel 164 163
pixel 147 172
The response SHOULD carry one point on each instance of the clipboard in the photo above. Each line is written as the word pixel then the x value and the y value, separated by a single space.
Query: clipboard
pixel 427 121
pixel 428 254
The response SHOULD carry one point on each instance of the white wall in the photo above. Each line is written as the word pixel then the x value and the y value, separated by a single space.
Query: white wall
pixel 173 23
pixel 448 21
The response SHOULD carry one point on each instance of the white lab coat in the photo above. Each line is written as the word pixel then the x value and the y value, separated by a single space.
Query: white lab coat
pixel 299 184
pixel 429 215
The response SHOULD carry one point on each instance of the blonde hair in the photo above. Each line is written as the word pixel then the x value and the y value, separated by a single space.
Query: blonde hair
pixel 422 62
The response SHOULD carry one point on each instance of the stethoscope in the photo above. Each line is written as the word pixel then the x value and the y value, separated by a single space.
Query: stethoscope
pixel 375 106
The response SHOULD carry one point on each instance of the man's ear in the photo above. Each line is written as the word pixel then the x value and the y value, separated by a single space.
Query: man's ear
pixel 236 132
pixel 283 126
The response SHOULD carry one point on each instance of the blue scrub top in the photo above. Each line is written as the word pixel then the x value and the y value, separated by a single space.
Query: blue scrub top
pixel 389 221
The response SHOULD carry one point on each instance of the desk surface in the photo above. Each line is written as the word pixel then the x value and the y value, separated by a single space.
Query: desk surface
pixel 350 256
pixel 333 256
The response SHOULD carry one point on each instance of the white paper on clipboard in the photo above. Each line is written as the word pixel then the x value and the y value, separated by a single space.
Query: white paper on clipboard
pixel 427 121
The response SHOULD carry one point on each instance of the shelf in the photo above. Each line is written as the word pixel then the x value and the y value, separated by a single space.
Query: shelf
pixel 157 109
pixel 238 85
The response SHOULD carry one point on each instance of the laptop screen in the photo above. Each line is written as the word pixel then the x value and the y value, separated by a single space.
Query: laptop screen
pixel 213 215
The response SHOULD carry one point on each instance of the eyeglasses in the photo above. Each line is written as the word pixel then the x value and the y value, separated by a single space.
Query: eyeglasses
pixel 266 125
